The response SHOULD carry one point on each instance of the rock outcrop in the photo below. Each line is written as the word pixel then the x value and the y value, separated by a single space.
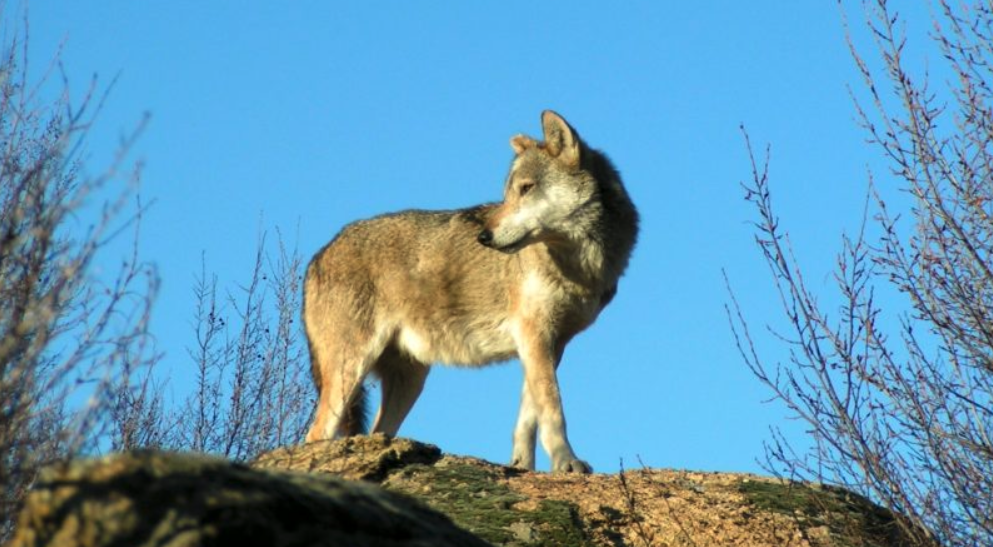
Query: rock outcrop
pixel 145 499
pixel 401 492
pixel 506 506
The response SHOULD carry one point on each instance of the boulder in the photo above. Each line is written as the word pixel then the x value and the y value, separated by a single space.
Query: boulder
pixel 380 491
pixel 150 498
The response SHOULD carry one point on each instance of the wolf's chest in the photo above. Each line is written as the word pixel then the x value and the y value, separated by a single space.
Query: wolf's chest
pixel 557 299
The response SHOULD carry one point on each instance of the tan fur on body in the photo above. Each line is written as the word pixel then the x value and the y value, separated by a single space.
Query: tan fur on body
pixel 393 294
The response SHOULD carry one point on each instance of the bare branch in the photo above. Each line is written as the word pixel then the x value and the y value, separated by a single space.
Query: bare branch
pixel 898 405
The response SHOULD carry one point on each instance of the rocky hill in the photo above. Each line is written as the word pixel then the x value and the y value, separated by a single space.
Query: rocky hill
pixel 377 491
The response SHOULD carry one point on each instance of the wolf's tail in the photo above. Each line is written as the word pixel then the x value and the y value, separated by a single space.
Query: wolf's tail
pixel 356 421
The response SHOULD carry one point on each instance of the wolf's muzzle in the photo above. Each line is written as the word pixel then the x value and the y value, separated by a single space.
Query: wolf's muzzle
pixel 486 238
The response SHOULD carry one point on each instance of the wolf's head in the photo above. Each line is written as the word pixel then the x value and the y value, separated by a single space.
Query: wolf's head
pixel 550 195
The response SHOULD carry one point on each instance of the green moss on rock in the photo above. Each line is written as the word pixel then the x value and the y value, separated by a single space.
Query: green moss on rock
pixel 476 499
pixel 848 518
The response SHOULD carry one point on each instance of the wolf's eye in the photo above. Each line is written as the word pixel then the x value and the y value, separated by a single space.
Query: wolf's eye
pixel 526 187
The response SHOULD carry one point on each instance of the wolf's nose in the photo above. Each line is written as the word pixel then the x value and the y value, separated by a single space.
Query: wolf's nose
pixel 485 237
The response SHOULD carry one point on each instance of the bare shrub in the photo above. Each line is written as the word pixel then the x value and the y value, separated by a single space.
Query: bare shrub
pixel 77 364
pixel 252 391
pixel 68 339
pixel 899 404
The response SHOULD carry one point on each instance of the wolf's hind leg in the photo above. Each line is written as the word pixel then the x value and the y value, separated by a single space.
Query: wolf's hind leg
pixel 402 378
pixel 341 390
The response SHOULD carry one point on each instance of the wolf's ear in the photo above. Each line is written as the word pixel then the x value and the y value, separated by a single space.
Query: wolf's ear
pixel 561 140
pixel 520 143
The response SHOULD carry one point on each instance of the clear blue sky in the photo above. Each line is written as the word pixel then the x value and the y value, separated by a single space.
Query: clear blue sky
pixel 315 114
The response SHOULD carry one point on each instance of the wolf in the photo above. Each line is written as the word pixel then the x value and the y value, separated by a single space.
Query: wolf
pixel 394 294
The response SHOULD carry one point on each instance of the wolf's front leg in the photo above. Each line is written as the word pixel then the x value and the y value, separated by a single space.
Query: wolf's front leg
pixel 525 432
pixel 538 359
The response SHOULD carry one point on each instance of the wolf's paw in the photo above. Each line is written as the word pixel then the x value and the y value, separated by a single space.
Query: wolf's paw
pixel 572 465
pixel 522 463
